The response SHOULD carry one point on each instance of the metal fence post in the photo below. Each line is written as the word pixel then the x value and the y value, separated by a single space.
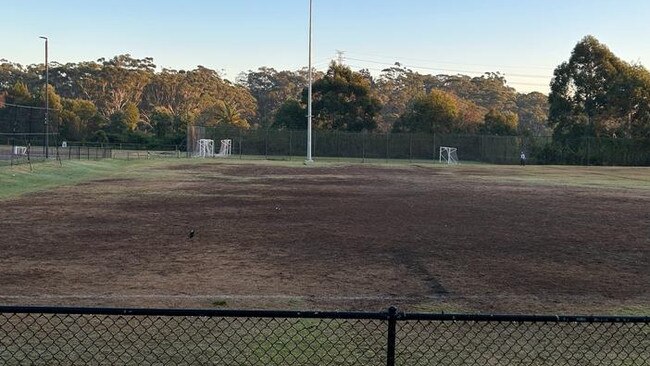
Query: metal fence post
pixel 387 145
pixel 392 330
pixel 587 151
pixel 363 147
pixel 483 154
pixel 266 145
pixel 435 156
pixel 241 138
pixel 290 138
pixel 337 138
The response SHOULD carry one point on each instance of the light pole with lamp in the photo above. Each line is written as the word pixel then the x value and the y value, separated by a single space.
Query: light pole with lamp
pixel 47 100
pixel 309 116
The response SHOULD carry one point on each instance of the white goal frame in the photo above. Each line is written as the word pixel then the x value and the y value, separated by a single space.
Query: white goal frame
pixel 19 150
pixel 226 148
pixel 448 155
pixel 204 148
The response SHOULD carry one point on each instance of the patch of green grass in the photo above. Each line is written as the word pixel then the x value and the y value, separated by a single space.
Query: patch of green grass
pixel 563 175
pixel 219 303
pixel 437 307
pixel 632 310
pixel 20 179
pixel 575 176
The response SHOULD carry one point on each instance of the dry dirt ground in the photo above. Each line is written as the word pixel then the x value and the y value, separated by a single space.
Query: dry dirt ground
pixel 353 237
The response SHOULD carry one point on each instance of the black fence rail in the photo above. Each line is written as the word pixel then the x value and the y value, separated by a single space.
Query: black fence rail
pixel 66 336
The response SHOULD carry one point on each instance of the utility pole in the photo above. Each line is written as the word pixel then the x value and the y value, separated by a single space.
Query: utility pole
pixel 47 101
pixel 309 116
pixel 339 57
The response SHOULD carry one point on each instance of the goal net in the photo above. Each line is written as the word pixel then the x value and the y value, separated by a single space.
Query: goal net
pixel 19 150
pixel 226 148
pixel 448 155
pixel 204 148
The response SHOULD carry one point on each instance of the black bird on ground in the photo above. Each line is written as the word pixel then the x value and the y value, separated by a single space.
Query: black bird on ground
pixel 191 235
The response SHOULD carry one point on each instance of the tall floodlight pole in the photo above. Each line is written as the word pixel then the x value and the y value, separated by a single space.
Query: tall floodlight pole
pixel 47 100
pixel 309 117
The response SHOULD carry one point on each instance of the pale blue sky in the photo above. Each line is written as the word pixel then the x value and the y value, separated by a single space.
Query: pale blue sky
pixel 524 39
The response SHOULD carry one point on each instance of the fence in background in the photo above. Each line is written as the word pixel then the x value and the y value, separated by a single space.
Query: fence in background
pixel 89 151
pixel 362 147
pixel 134 151
pixel 411 146
pixel 37 153
pixel 42 335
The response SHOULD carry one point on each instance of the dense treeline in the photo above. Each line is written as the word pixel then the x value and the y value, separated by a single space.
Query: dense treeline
pixel 597 94
pixel 594 94
pixel 394 101
pixel 124 99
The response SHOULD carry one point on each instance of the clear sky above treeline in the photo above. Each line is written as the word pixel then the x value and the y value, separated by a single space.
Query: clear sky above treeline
pixel 524 39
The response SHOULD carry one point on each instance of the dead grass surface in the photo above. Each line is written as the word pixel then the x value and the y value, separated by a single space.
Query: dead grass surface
pixel 488 239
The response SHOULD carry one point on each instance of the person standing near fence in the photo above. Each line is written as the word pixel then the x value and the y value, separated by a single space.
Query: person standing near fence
pixel 522 158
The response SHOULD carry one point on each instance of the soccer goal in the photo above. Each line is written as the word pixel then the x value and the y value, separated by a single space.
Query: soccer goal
pixel 226 148
pixel 204 148
pixel 448 155
pixel 20 150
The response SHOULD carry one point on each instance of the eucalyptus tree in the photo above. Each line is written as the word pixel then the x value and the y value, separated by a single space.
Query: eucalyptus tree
pixel 595 93
pixel 342 100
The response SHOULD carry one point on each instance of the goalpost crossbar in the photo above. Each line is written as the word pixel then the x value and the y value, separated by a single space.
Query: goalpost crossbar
pixel 448 155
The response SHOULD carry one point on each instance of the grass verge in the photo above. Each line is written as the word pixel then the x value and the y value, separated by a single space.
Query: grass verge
pixel 20 179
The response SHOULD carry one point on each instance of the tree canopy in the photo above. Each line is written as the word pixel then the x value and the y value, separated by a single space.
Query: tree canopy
pixel 126 95
pixel 500 123
pixel 435 112
pixel 342 100
pixel 594 93
pixel 597 94
pixel 271 89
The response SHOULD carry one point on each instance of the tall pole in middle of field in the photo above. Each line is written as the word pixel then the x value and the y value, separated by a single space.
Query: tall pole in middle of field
pixel 309 116
pixel 47 100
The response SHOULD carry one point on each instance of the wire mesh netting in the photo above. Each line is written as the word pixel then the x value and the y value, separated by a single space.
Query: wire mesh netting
pixel 47 339
pixel 13 155
pixel 363 146
pixel 422 342
pixel 60 336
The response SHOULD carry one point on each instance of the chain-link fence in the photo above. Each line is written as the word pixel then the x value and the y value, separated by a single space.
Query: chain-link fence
pixel 522 340
pixel 70 336
pixel 17 154
pixel 287 144
pixel 135 151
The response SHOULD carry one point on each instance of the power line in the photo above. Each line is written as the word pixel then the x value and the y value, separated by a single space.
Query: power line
pixel 323 62
pixel 507 82
pixel 340 57
pixel 445 70
pixel 26 133
pixel 549 68
pixel 28 106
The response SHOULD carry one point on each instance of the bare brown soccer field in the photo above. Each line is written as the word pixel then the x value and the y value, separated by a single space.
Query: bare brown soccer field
pixel 470 238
